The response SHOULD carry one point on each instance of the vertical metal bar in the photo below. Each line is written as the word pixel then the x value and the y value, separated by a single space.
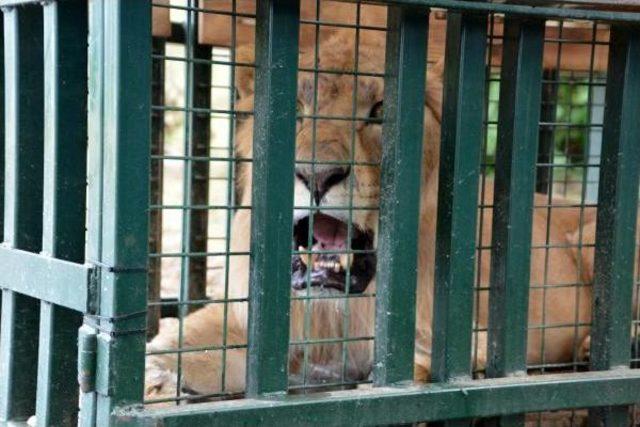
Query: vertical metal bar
pixel 272 202
pixel 516 154
pixel 23 204
pixel 462 138
pixel 120 131
pixel 2 145
pixel 93 249
pixel 406 50
pixel 2 133
pixel 65 65
pixel 200 141
pixel 156 185
pixel 617 213
pixel 547 134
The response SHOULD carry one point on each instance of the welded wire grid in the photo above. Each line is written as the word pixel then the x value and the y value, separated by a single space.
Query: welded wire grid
pixel 570 138
pixel 567 175
pixel 195 114
pixel 567 168
pixel 321 352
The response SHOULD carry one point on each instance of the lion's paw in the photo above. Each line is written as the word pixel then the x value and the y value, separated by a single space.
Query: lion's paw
pixel 159 382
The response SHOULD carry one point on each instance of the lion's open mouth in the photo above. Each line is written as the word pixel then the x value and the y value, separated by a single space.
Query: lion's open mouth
pixel 333 259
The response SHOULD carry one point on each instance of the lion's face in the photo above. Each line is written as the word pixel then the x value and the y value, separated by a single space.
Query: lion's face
pixel 338 153
pixel 337 168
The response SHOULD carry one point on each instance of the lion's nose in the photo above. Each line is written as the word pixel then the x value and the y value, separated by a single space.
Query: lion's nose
pixel 320 180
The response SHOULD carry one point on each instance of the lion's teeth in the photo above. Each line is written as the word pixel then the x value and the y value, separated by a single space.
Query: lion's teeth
pixel 345 260
pixel 303 257
pixel 328 265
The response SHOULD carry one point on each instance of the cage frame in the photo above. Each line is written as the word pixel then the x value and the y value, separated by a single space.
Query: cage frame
pixel 107 282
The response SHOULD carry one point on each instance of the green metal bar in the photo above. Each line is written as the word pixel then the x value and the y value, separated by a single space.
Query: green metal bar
pixel 532 9
pixel 272 214
pixel 57 388
pixel 200 139
pixel 546 143
pixel 71 289
pixel 65 64
pixel 396 405
pixel 18 357
pixel 23 123
pixel 462 131
pixel 93 248
pixel 156 178
pixel 516 154
pixel 2 131
pixel 2 137
pixel 514 186
pixel 617 213
pixel 119 141
pixel 23 204
pixel 396 275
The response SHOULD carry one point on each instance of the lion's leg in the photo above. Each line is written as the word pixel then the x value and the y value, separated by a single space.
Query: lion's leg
pixel 201 370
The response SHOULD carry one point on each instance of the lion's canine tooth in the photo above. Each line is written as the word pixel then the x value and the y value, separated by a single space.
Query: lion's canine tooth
pixel 337 267
pixel 303 257
pixel 345 260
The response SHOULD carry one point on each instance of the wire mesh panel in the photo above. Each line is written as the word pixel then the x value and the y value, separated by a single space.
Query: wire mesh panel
pixel 349 223
pixel 196 111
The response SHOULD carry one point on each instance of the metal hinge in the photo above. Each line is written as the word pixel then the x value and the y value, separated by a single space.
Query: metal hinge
pixel 87 355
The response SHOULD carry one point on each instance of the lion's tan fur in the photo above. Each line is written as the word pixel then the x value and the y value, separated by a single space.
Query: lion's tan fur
pixel 562 305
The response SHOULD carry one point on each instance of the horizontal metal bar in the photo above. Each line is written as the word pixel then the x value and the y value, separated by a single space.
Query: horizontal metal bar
pixel 462 5
pixel 8 3
pixel 395 405
pixel 522 10
pixel 63 283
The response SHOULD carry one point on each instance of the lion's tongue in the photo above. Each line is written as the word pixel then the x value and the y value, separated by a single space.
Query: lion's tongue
pixel 330 233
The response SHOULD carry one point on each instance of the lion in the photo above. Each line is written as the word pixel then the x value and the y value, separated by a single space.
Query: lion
pixel 552 303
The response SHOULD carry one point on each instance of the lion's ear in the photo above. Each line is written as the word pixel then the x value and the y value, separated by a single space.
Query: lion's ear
pixel 433 96
pixel 244 74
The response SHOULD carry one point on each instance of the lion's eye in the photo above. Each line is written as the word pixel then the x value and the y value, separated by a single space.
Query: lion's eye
pixel 376 112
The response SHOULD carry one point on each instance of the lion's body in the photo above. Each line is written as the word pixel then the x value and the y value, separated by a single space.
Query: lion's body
pixel 551 306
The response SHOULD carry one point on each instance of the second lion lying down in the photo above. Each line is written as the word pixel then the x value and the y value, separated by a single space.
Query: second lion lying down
pixel 558 308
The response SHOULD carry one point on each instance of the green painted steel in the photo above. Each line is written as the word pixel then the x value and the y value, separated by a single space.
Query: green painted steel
pixel 461 142
pixel 57 390
pixel 397 405
pixel 530 8
pixel 119 135
pixel 617 213
pixel 24 128
pixel 93 249
pixel 514 186
pixel 65 64
pixel 87 360
pixel 18 357
pixel 516 155
pixel 199 137
pixel 73 287
pixel 111 288
pixel 406 49
pixel 272 192
pixel 2 131
pixel 23 204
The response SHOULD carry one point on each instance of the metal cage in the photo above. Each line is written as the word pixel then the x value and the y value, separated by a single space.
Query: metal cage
pixel 123 184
